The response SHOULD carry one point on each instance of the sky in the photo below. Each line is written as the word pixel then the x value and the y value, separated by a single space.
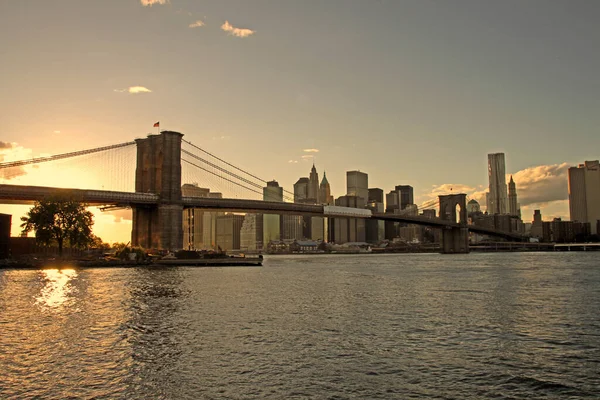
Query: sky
pixel 410 92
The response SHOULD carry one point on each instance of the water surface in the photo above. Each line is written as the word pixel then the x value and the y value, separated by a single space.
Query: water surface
pixel 426 326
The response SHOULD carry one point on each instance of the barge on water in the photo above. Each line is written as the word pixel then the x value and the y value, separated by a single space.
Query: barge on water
pixel 201 259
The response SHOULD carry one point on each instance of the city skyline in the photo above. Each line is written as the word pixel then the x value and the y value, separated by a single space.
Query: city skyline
pixel 393 89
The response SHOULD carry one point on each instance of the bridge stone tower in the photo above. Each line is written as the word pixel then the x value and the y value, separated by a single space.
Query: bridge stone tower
pixel 158 171
pixel 455 240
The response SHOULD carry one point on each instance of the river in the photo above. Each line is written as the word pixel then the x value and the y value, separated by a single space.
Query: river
pixel 407 326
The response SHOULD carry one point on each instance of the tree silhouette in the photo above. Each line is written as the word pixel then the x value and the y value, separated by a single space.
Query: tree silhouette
pixel 60 220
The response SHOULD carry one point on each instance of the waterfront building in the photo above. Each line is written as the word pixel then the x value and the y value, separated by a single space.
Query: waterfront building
pixel 272 222
pixel 292 227
pixel 513 205
pixel 497 199
pixel 558 231
pixel 584 194
pixel 357 184
pixel 195 235
pixel 228 229
pixel 251 234
pixel 348 229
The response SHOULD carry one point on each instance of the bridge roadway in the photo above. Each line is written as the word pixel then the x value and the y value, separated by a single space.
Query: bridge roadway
pixel 19 194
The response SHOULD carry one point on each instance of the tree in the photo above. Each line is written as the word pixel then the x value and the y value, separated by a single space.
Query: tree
pixel 60 220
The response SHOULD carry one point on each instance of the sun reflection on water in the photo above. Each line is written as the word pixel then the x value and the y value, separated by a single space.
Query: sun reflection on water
pixel 58 289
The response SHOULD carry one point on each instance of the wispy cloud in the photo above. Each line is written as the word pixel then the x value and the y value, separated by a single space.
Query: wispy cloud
pixel 196 24
pixel 12 152
pixel 306 156
pixel 311 150
pixel 134 90
pixel 152 2
pixel 56 132
pixel 293 161
pixel 238 32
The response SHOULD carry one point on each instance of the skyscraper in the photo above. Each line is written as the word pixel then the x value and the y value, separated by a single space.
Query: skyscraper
pixel 271 222
pixel 313 185
pixel 405 195
pixel 301 190
pixel 357 184
pixel 513 206
pixel 497 195
pixel 325 191
pixel 584 193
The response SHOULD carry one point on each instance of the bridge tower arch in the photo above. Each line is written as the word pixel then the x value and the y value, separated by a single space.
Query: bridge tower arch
pixel 455 239
pixel 158 170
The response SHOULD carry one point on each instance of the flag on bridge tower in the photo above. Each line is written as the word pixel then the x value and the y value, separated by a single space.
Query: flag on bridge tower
pixel 156 124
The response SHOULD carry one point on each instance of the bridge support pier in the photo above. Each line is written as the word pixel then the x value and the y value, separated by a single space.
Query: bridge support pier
pixel 159 171
pixel 454 240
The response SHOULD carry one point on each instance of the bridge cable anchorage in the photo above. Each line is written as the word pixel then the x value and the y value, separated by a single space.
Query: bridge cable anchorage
pixel 264 181
pixel 62 156
pixel 256 185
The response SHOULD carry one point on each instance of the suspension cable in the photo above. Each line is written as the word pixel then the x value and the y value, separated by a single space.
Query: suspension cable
pixel 61 156
pixel 231 165
pixel 221 177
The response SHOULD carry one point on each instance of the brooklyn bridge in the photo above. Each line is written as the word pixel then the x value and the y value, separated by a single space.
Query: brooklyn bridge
pixel 157 202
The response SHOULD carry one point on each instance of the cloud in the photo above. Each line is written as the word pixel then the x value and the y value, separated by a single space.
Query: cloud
pixel 134 90
pixel 542 184
pixel 56 131
pixel 120 215
pixel 293 161
pixel 196 24
pixel 307 156
pixel 11 152
pixel 537 187
pixel 311 150
pixel 239 32
pixel 152 2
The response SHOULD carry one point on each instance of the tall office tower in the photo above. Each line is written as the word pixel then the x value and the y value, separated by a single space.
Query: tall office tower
pixel 497 194
pixel 313 185
pixel 513 206
pixel 375 194
pixel 301 190
pixel 229 227
pixel 357 184
pixel 584 194
pixel 325 191
pixel 271 222
pixel 405 195
pixel 251 234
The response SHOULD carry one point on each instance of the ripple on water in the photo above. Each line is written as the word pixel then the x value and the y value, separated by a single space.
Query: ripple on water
pixel 505 326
